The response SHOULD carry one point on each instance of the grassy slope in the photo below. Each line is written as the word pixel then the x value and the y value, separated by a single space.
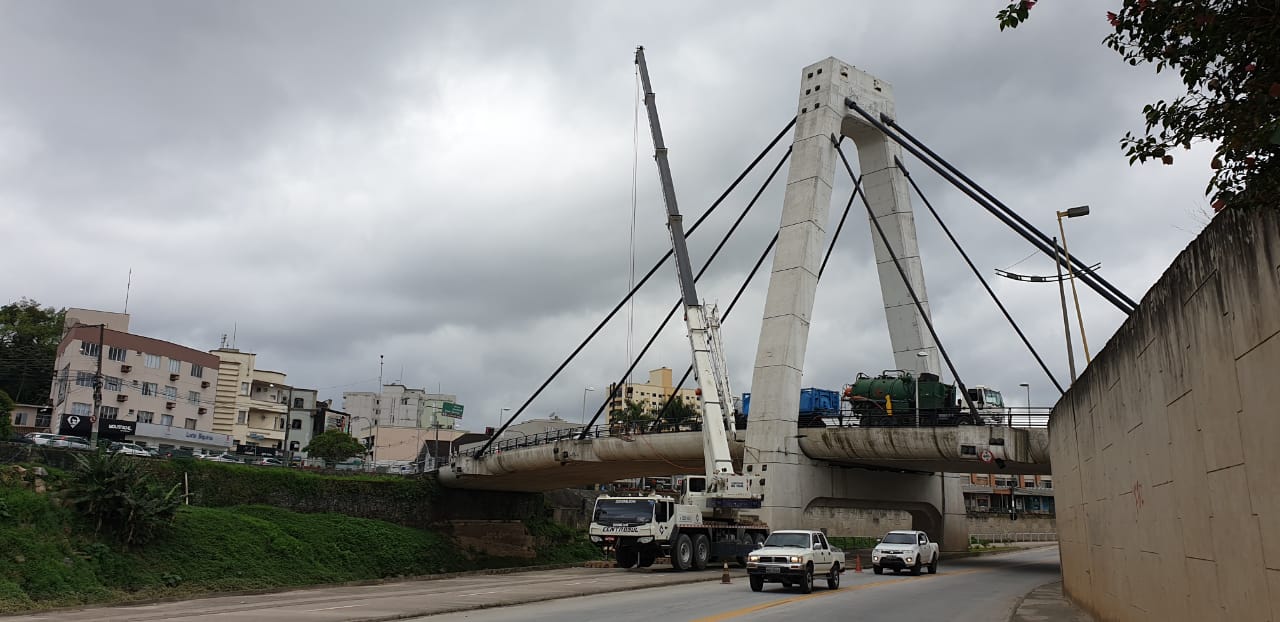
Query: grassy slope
pixel 48 558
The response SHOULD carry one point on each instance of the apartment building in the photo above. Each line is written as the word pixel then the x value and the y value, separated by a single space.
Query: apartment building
pixel 1002 492
pixel 258 408
pixel 397 406
pixel 653 395
pixel 154 392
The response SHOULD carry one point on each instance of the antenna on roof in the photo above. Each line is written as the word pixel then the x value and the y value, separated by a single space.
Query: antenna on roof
pixel 127 286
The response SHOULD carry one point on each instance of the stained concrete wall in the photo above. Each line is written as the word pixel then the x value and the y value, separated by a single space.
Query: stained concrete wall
pixel 1165 451
pixel 996 523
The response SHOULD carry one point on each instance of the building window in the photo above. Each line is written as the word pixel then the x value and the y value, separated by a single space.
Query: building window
pixel 1046 483
pixel 279 423
pixel 112 383
pixel 244 388
pixel 170 392
pixel 151 360
pixel 149 388
pixel 84 378
pixel 242 417
pixel 404 401
pixel 19 418
pixel 297 402
pixel 297 424
pixel 43 420
pixel 189 424
pixel 193 397
pixel 197 371
pixel 146 416
pixel 109 412
pixel 175 366
pixel 116 354
pixel 295 446
pixel 166 420
pixel 89 349
pixel 82 409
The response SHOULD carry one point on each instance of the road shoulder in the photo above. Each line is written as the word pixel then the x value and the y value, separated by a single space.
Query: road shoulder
pixel 1047 603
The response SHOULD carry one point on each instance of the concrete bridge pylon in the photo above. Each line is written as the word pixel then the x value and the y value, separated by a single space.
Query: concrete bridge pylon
pixel 772 452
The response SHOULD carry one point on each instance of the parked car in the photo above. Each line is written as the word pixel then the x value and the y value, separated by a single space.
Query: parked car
pixel 350 464
pixel 268 461
pixel 129 449
pixel 42 438
pixel 73 442
pixel 224 457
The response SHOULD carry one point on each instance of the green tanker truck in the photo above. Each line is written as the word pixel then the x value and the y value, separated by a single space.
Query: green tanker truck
pixel 890 399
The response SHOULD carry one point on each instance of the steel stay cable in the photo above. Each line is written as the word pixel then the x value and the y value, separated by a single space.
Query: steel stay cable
pixel 635 289
pixel 1046 248
pixel 973 411
pixel 705 265
pixel 977 273
pixel 1074 260
pixel 857 188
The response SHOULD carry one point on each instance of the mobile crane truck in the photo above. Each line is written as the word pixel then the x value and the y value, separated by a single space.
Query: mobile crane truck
pixel 704 524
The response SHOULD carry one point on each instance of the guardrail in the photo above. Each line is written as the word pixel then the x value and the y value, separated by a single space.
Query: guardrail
pixel 1005 538
pixel 846 420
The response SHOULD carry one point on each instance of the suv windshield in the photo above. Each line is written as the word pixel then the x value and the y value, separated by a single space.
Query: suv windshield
pixel 899 538
pixel 623 511
pixel 788 539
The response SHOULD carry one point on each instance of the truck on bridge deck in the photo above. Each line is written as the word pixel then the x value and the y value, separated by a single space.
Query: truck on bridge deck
pixel 891 398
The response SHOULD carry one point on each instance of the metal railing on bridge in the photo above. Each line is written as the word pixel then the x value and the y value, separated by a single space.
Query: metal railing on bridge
pixel 1007 538
pixel 1030 418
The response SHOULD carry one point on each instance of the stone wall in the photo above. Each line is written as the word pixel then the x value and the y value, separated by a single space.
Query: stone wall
pixel 997 523
pixel 854 522
pixel 1165 451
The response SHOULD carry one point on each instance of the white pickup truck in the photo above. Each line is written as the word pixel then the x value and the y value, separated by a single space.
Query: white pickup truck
pixel 905 550
pixel 795 557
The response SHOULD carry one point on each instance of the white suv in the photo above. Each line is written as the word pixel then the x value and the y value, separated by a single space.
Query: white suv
pixel 42 438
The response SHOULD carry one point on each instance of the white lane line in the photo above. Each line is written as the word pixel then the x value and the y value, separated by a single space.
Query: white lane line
pixel 330 608
pixel 479 593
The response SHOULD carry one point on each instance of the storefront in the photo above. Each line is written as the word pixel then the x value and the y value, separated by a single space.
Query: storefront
pixel 165 437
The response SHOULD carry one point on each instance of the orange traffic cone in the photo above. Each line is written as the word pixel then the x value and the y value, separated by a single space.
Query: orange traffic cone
pixel 724 578
pixel 857 564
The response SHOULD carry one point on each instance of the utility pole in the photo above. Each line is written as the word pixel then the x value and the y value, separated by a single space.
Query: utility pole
pixel 97 388
pixel 1066 319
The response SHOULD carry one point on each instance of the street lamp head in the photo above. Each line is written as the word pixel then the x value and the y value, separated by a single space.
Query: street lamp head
pixel 589 389
pixel 922 354
pixel 1074 212
pixel 1023 384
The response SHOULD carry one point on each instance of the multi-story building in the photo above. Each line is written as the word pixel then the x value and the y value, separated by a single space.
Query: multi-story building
pixel 1003 492
pixel 396 406
pixel 304 420
pixel 257 407
pixel 652 395
pixel 154 392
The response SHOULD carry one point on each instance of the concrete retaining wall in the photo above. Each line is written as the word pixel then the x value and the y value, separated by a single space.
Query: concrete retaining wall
pixel 1165 451
pixel 1000 524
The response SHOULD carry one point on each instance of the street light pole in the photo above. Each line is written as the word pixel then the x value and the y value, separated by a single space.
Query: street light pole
pixel 1027 386
pixel 920 356
pixel 495 430
pixel 584 404
pixel 1066 319
pixel 97 388
pixel 1074 212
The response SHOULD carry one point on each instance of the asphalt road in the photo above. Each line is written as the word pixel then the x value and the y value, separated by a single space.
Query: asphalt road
pixel 984 588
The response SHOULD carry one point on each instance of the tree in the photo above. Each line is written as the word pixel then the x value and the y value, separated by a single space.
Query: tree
pixel 6 419
pixel 1228 55
pixel 29 337
pixel 334 445
pixel 633 417
pixel 678 413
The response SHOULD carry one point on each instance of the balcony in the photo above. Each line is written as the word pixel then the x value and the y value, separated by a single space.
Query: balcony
pixel 267 405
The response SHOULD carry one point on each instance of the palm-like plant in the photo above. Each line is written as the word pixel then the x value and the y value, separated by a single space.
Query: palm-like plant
pixel 115 492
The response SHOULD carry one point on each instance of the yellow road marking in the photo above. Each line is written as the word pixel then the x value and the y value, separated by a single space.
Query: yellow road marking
pixel 737 613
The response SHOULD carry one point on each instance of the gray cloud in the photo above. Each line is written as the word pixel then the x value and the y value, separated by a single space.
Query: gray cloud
pixel 449 185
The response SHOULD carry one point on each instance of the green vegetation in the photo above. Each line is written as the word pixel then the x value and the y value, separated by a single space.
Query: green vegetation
pixel 29 337
pixel 1228 56
pixel 335 446
pixel 6 419
pixel 50 555
pixel 851 543
pixel 115 492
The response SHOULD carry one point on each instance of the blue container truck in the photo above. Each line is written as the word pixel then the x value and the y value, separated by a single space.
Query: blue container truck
pixel 814 405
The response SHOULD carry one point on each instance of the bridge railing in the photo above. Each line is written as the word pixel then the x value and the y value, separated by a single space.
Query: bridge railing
pixel 1035 418
pixel 1005 538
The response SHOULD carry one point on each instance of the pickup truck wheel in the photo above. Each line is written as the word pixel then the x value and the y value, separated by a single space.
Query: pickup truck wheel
pixel 646 559
pixel 933 565
pixel 915 570
pixel 757 584
pixel 833 579
pixel 806 581
pixel 682 553
pixel 701 552
pixel 626 558
pixel 877 570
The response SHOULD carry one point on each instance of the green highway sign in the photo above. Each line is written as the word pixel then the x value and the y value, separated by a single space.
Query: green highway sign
pixel 451 410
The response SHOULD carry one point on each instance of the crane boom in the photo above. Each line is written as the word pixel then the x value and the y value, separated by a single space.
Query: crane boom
pixel 703 324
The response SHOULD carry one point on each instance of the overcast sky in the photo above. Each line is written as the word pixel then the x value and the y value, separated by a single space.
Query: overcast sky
pixel 449 185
